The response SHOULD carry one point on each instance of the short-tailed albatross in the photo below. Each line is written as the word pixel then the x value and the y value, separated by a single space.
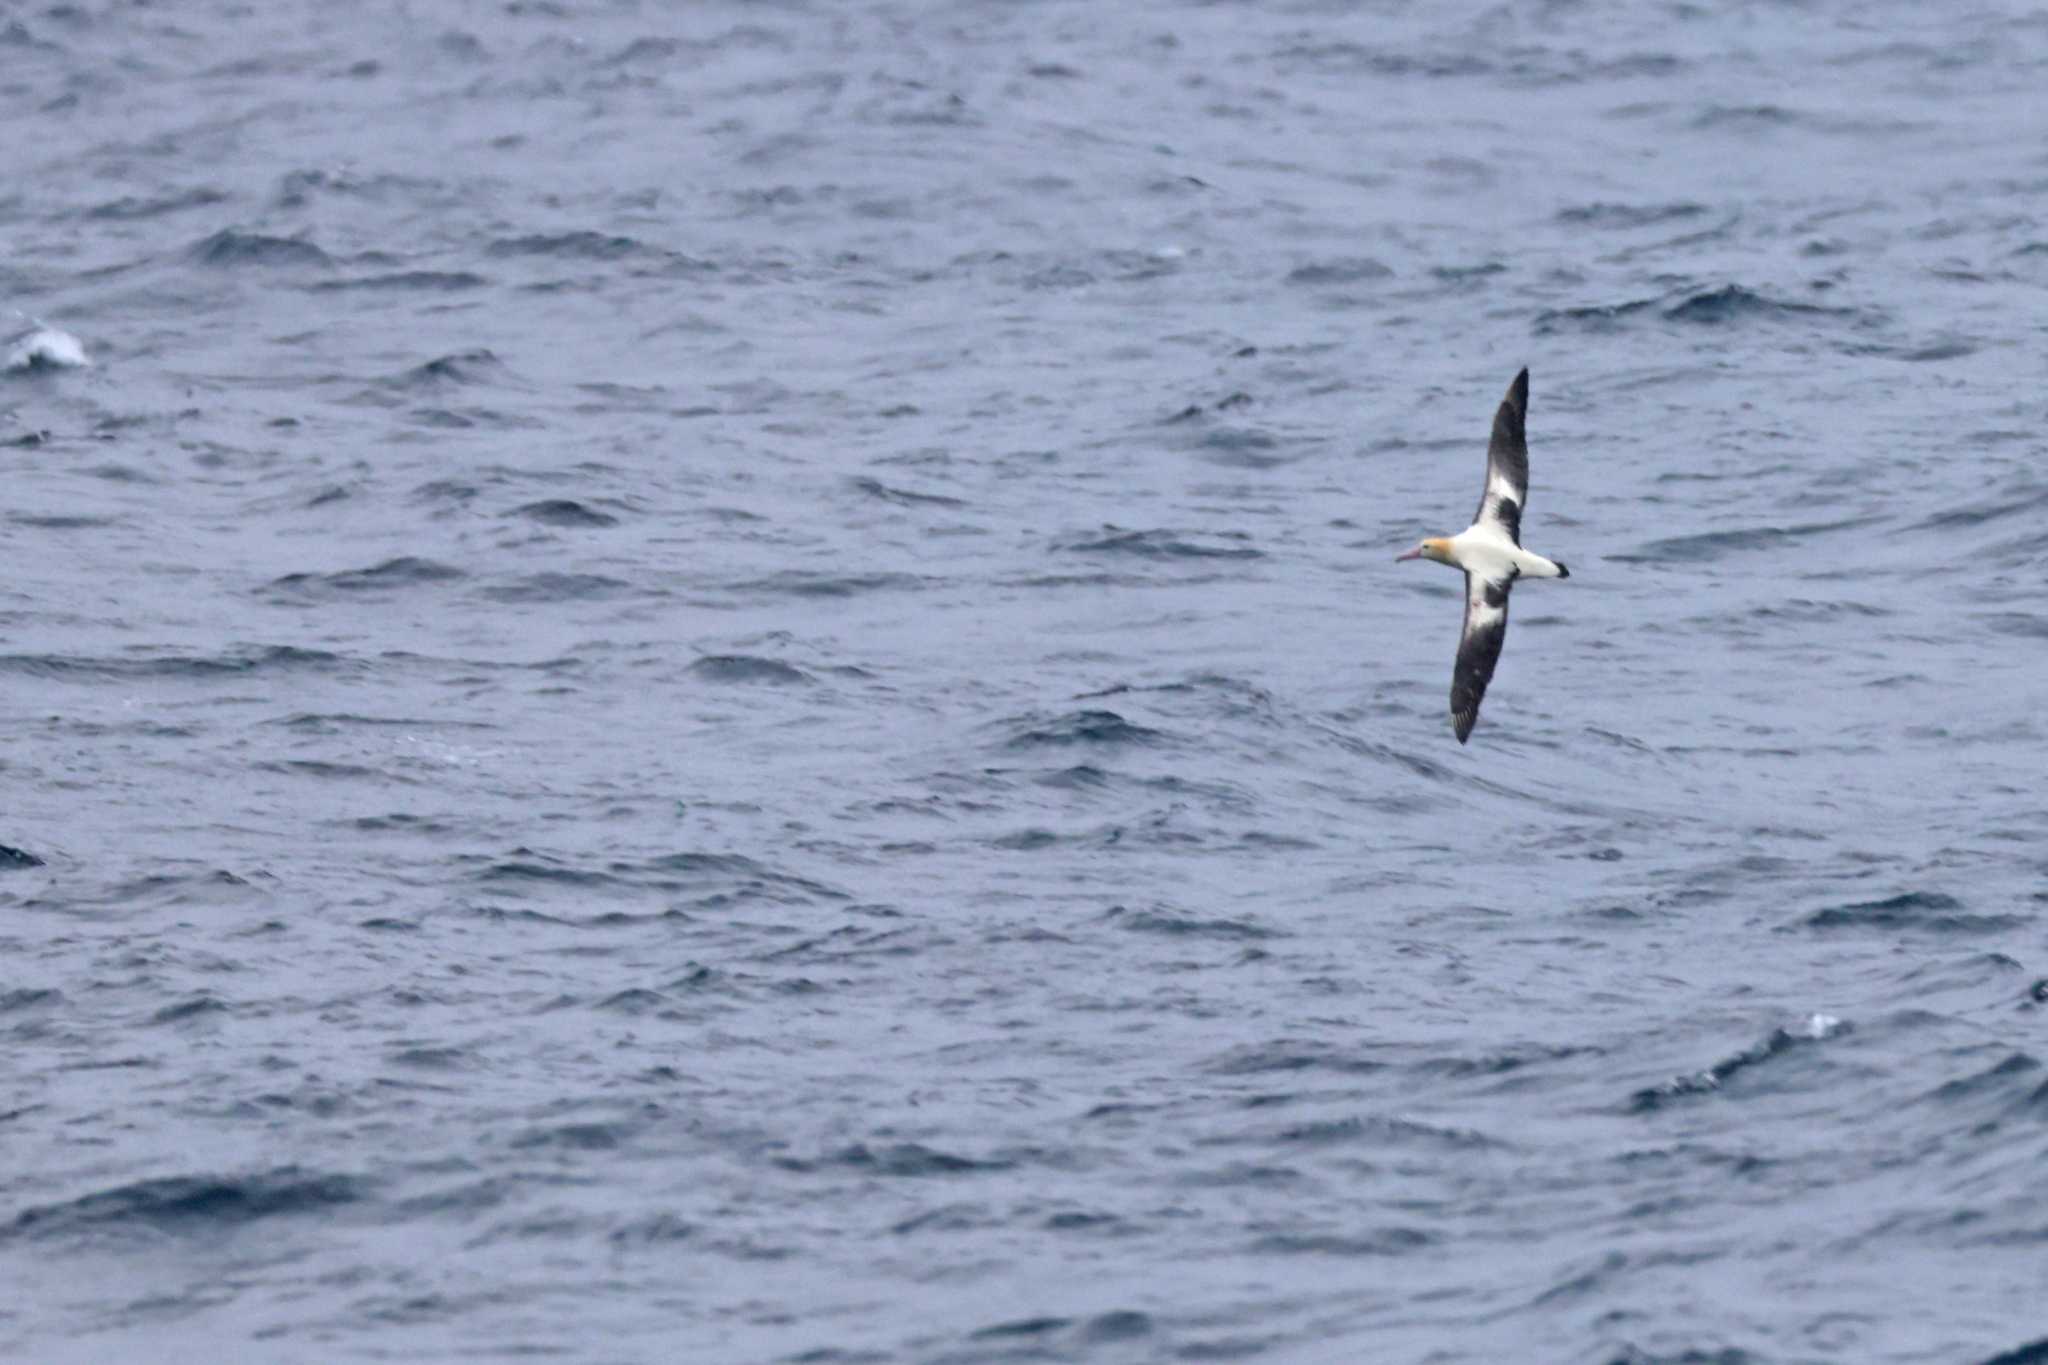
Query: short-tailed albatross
pixel 1491 554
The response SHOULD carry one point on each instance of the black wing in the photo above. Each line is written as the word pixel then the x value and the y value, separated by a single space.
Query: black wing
pixel 1486 629
pixel 1507 463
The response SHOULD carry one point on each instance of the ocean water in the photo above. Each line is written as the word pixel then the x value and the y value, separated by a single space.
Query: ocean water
pixel 724 682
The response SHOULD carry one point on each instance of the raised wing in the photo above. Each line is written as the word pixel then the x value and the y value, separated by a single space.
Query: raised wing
pixel 1486 628
pixel 1507 463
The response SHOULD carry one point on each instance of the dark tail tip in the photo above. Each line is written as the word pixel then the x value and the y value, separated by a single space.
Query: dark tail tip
pixel 1562 571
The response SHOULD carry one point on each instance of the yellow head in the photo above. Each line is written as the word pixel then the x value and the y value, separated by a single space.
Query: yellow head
pixel 1432 547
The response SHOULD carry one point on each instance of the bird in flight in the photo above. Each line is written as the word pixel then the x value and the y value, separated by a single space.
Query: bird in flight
pixel 1491 554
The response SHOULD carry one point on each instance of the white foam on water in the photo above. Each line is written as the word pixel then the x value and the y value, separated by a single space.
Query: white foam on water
pixel 1822 1026
pixel 46 348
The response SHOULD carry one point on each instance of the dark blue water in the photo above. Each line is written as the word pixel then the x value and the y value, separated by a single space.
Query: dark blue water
pixel 725 682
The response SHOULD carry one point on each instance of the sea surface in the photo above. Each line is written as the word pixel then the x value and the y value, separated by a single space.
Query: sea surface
pixel 725 682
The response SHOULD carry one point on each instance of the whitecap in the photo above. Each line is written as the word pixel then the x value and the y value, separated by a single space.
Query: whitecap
pixel 45 348
pixel 1822 1026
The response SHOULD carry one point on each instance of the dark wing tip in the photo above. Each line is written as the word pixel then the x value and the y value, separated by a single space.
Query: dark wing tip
pixel 1509 418
pixel 1462 722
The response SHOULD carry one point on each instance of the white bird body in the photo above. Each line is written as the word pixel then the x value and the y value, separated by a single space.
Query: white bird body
pixel 1491 554
pixel 1482 549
